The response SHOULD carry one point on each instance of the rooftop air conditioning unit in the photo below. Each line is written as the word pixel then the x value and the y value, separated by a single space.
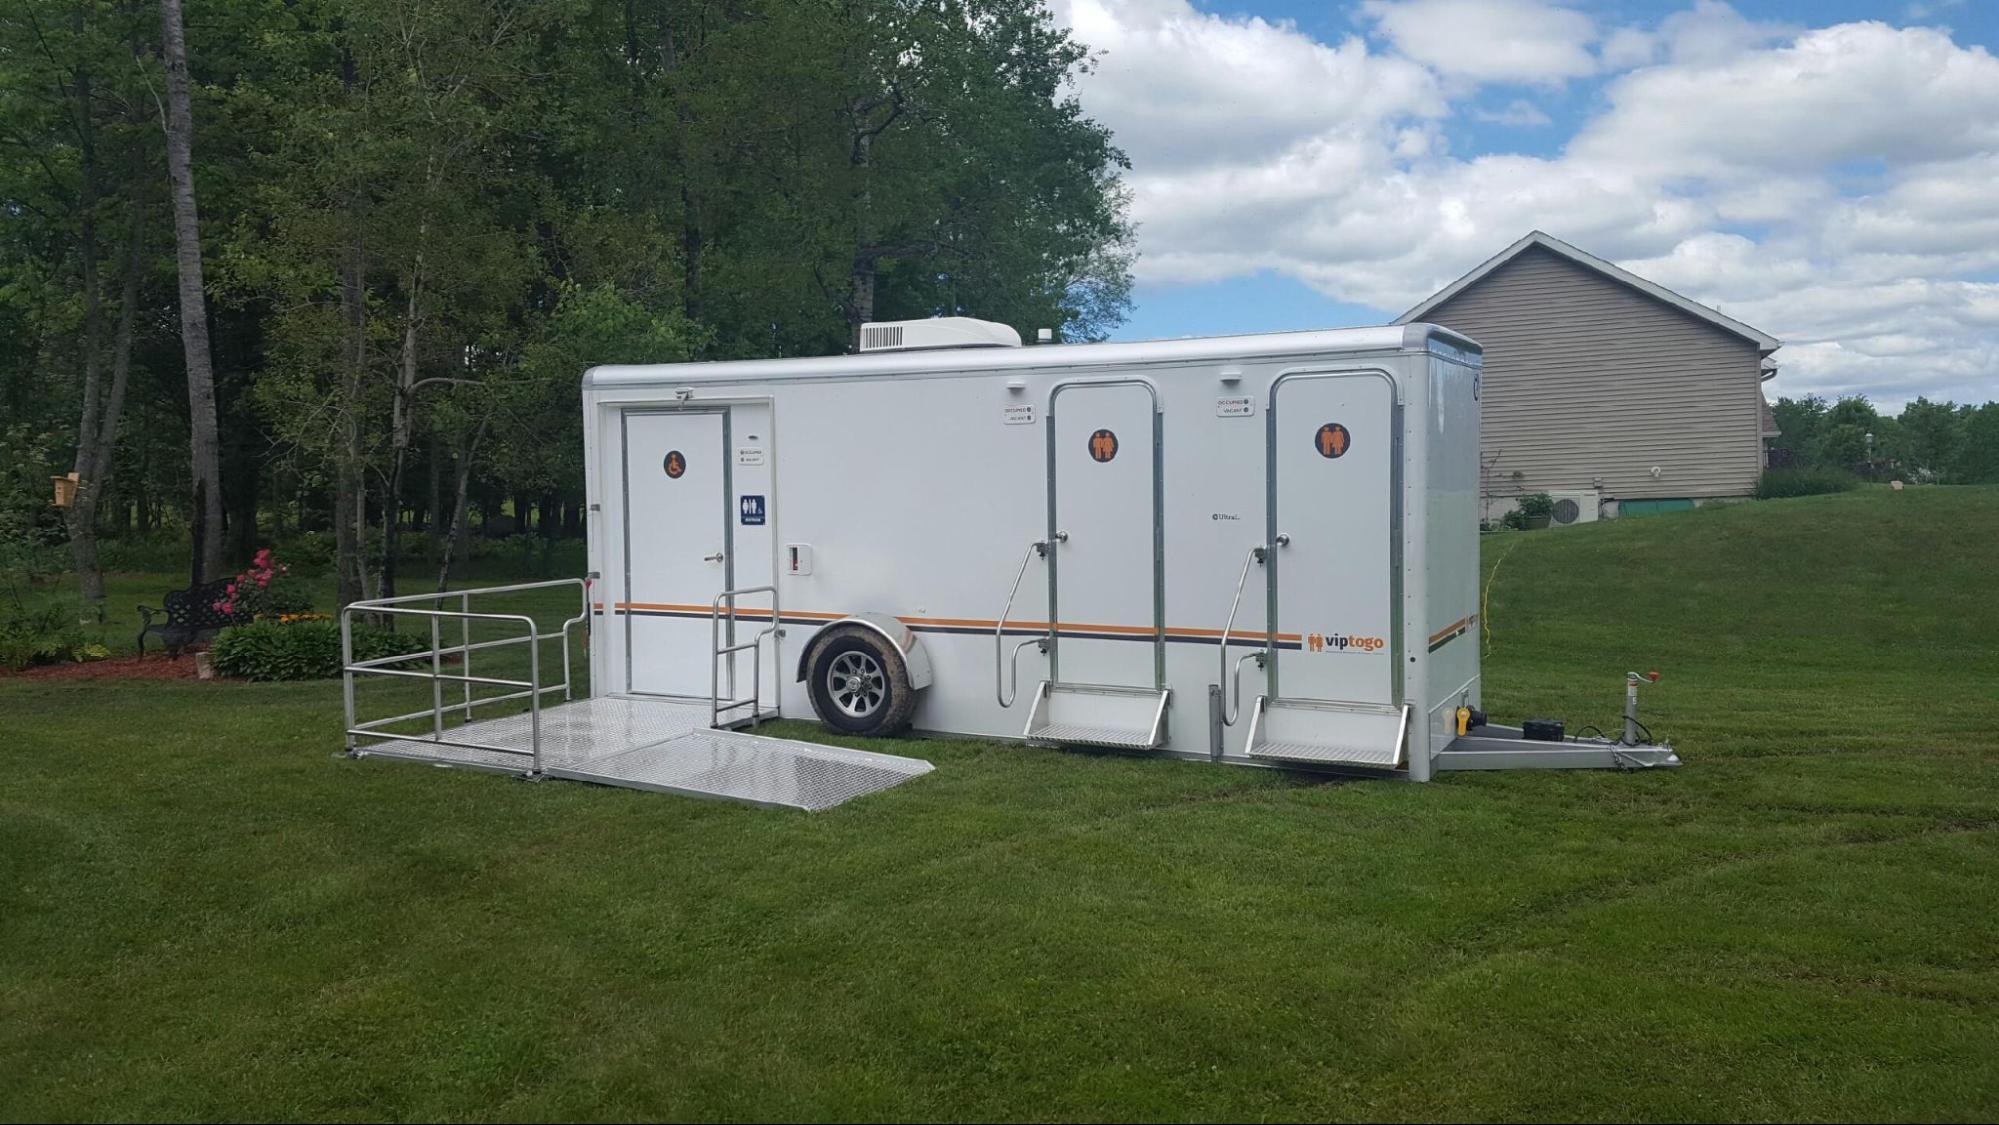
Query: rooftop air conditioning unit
pixel 1580 505
pixel 937 332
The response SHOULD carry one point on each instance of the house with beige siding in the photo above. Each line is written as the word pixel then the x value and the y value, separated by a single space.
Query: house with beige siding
pixel 1603 388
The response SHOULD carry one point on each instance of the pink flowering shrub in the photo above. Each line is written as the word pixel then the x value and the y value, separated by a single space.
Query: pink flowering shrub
pixel 264 589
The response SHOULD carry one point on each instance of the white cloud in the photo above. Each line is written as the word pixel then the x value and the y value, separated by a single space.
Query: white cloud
pixel 1489 40
pixel 1832 186
pixel 1709 32
pixel 1519 112
pixel 1856 92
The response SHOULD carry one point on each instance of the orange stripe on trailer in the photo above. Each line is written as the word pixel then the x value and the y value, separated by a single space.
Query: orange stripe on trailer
pixel 1454 627
pixel 1073 627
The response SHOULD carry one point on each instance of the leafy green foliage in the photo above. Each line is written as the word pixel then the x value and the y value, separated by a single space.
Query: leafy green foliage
pixel 1536 504
pixel 1929 441
pixel 43 634
pixel 300 650
pixel 423 222
pixel 1808 481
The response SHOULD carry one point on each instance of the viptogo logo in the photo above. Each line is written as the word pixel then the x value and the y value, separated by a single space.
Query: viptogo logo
pixel 1343 642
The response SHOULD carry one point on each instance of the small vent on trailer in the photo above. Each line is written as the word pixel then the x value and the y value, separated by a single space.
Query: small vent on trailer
pixel 874 337
pixel 937 332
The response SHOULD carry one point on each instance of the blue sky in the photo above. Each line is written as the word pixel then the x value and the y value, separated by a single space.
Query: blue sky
pixel 1822 170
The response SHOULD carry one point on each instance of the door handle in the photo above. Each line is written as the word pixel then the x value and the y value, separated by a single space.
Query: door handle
pixel 716 557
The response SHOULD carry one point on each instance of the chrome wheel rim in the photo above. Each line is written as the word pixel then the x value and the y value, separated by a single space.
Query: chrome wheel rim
pixel 857 684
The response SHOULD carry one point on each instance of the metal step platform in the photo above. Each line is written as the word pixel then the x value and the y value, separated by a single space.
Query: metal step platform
pixel 661 746
pixel 1328 732
pixel 1121 718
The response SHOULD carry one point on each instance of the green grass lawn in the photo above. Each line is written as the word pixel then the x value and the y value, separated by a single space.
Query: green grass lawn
pixel 205 914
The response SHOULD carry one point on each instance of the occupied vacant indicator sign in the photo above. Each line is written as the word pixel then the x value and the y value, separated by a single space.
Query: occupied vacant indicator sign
pixel 751 508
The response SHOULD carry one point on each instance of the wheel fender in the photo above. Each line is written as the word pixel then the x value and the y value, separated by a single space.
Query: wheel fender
pixel 890 629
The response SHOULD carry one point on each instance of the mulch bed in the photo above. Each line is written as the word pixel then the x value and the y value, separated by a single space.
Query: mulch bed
pixel 153 666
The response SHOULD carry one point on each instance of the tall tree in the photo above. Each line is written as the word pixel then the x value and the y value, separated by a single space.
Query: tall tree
pixel 204 443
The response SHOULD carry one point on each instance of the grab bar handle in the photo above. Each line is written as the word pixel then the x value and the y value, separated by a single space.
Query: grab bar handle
pixel 1006 673
pixel 1231 710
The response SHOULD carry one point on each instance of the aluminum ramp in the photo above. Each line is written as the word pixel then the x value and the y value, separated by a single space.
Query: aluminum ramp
pixel 661 746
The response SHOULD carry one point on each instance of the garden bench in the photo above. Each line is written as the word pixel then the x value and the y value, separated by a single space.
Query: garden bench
pixel 190 614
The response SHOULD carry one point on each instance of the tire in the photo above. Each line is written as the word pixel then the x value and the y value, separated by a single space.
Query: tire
pixel 860 683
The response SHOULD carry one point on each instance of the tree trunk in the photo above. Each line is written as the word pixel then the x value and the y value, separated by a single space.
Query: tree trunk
pixel 399 433
pixel 82 513
pixel 861 279
pixel 97 434
pixel 349 486
pixel 433 515
pixel 454 542
pixel 204 440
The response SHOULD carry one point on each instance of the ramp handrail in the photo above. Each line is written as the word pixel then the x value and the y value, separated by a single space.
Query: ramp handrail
pixel 755 702
pixel 407 605
pixel 1232 710
pixel 1006 673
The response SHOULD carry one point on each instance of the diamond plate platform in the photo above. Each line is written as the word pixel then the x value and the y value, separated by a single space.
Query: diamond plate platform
pixel 570 733
pixel 662 746
pixel 1085 734
pixel 1383 757
pixel 746 767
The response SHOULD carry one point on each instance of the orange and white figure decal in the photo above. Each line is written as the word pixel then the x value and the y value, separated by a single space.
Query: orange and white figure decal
pixel 1332 440
pixel 1103 446
pixel 676 464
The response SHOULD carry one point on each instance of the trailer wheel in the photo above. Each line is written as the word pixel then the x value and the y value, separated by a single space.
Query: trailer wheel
pixel 860 683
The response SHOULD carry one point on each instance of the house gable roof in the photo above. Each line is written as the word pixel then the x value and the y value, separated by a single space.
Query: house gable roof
pixel 1763 340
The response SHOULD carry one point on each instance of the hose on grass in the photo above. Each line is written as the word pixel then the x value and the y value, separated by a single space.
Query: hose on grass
pixel 1485 599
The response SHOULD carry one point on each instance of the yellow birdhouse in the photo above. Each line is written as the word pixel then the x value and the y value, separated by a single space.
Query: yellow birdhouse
pixel 65 490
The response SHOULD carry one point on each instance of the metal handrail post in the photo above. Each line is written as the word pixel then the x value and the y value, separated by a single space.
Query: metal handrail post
pixel 717 650
pixel 715 659
pixel 534 699
pixel 437 684
pixel 346 672
pixel 465 639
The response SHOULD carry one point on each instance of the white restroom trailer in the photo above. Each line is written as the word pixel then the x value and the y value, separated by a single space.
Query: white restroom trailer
pixel 1253 549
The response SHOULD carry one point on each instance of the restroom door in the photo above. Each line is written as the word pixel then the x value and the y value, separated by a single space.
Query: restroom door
pixel 1334 443
pixel 1106 578
pixel 677 547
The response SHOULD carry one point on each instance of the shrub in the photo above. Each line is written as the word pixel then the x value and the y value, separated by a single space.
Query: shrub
pixel 1535 505
pixel 301 650
pixel 266 589
pixel 1779 483
pixel 309 553
pixel 44 635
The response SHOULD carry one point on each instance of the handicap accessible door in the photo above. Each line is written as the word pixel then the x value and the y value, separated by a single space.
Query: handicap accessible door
pixel 1106 574
pixel 677 547
pixel 1334 450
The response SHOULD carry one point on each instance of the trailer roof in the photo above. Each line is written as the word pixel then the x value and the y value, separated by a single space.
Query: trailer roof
pixel 1266 345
